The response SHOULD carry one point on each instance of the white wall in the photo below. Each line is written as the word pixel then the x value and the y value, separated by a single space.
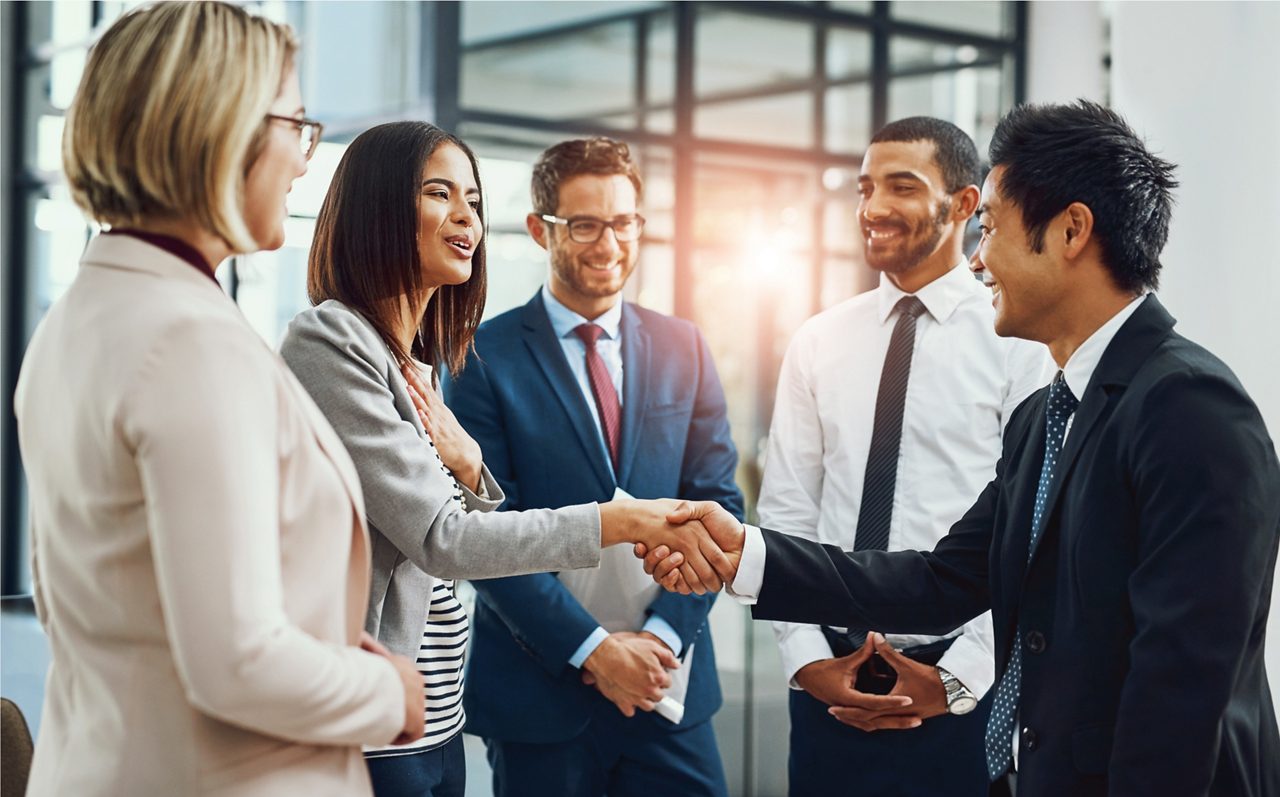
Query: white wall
pixel 1066 44
pixel 1199 80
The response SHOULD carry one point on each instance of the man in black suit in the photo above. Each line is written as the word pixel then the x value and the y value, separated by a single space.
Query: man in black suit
pixel 1127 544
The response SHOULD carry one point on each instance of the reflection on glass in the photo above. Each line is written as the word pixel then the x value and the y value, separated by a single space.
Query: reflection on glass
pixel 971 99
pixel 854 6
pixel 587 74
pixel 660 61
pixel 785 120
pixel 308 190
pixel 848 119
pixel 908 54
pixel 377 72
pixel 59 23
pixel 738 51
pixel 987 17
pixel 486 21
pixel 64 76
pixel 848 54
pixel 841 234
pixel 49 143
pixel 59 235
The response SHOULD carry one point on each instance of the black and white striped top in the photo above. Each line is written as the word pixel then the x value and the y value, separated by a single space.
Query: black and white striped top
pixel 441 655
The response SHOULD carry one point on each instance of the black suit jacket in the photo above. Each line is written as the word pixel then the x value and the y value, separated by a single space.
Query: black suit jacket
pixel 1144 605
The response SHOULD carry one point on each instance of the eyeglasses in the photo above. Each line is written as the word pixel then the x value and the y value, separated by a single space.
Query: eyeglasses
pixel 309 128
pixel 588 229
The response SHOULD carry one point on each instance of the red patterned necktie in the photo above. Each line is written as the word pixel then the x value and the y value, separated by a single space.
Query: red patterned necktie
pixel 602 388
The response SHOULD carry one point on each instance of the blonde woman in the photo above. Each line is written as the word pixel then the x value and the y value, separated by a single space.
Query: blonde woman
pixel 200 560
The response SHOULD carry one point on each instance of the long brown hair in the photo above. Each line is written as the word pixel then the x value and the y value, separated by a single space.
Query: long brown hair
pixel 365 249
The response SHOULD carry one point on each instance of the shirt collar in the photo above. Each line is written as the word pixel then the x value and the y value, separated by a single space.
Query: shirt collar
pixel 564 321
pixel 1084 360
pixel 940 297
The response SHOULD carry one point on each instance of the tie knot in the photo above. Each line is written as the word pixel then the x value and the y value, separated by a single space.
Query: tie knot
pixel 1061 400
pixel 589 333
pixel 910 305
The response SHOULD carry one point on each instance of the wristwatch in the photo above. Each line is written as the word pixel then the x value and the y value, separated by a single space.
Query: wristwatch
pixel 959 699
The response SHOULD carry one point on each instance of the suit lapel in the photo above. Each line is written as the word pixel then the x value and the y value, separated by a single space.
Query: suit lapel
pixel 1022 494
pixel 541 340
pixel 1136 339
pixel 635 380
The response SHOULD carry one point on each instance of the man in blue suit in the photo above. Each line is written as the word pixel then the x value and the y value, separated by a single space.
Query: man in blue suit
pixel 591 683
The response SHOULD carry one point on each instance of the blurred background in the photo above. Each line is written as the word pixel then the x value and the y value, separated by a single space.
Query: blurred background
pixel 749 120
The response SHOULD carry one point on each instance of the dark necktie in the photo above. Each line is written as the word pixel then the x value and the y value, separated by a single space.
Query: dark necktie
pixel 602 389
pixel 881 476
pixel 1005 707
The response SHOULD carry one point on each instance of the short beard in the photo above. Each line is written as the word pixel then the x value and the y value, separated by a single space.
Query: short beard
pixel 916 255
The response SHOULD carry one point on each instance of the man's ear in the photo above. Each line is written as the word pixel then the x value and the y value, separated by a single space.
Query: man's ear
pixel 537 229
pixel 1077 229
pixel 964 203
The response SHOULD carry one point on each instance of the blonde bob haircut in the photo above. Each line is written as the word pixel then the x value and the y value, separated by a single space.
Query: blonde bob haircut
pixel 170 114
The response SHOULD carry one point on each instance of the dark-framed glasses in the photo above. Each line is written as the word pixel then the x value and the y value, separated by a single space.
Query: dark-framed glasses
pixel 588 229
pixel 309 129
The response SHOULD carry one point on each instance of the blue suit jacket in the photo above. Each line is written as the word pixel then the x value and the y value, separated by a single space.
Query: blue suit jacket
pixel 518 398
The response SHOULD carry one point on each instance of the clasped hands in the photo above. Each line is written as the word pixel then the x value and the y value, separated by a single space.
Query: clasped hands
pixel 917 695
pixel 687 546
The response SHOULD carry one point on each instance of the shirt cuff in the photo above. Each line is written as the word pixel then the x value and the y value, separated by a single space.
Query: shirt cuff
pixel 804 646
pixel 662 630
pixel 588 647
pixel 750 576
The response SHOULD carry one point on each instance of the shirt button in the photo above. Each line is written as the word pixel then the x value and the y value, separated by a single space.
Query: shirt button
pixel 1029 740
pixel 1035 642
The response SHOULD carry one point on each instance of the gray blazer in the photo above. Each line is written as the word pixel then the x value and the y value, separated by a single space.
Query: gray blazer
pixel 419 533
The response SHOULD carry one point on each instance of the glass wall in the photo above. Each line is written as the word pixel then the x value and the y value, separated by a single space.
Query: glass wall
pixel 749 121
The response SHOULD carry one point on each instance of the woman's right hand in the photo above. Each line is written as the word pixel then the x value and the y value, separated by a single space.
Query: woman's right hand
pixel 415 696
pixel 458 451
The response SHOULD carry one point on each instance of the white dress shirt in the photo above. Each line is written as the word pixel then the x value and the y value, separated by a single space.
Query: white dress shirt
pixel 965 381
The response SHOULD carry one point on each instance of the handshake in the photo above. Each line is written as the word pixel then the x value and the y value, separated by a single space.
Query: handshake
pixel 687 546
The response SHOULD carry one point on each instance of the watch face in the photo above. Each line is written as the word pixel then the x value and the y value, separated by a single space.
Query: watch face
pixel 962 705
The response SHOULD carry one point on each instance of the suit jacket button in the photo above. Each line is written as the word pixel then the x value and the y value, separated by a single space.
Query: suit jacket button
pixel 1035 642
pixel 1029 740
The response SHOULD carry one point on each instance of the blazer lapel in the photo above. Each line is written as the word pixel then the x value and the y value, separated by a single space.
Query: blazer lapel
pixel 635 381
pixel 541 340
pixel 1129 349
pixel 1015 542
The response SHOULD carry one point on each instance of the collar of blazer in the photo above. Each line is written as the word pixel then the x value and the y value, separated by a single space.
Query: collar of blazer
pixel 547 351
pixel 1133 344
pixel 128 253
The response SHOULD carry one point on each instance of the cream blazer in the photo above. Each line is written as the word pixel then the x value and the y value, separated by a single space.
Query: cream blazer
pixel 199 558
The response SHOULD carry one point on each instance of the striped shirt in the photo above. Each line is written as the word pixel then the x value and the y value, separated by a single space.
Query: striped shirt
pixel 440 658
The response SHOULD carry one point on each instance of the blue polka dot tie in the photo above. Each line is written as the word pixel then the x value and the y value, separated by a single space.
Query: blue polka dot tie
pixel 1000 725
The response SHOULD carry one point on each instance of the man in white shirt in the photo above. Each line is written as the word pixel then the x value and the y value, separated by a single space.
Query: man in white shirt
pixel 1127 545
pixel 895 441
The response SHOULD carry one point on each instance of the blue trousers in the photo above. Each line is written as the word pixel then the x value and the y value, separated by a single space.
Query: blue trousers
pixel 441 772
pixel 614 756
pixel 944 757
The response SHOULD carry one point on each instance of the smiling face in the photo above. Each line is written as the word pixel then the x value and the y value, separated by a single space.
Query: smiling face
pixel 280 162
pixel 449 226
pixel 589 278
pixel 905 211
pixel 1026 288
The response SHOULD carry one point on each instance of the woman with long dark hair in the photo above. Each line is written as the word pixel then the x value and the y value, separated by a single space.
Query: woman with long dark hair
pixel 397 276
